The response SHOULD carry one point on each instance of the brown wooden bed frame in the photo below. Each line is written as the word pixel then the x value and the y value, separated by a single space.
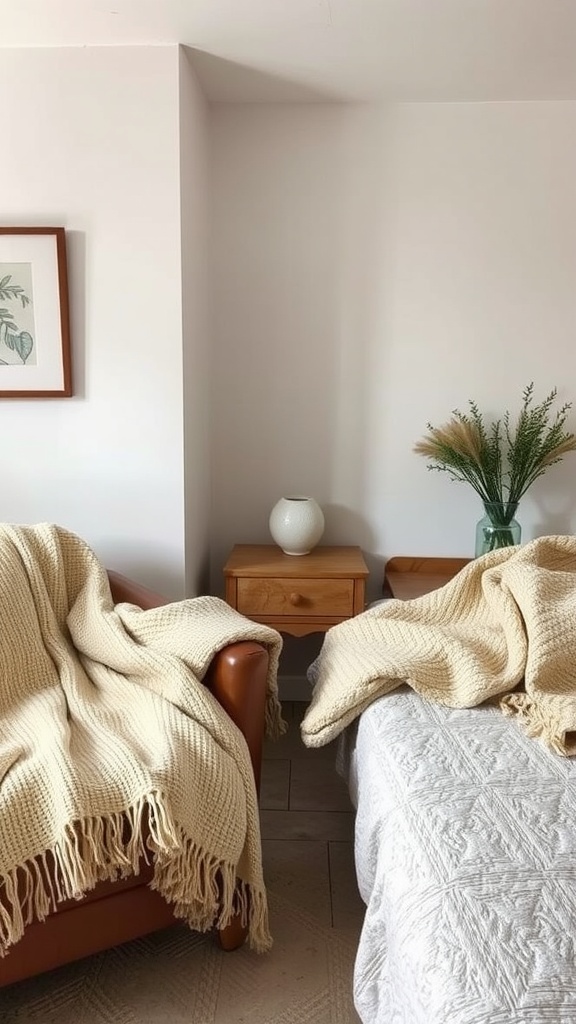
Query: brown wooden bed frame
pixel 116 912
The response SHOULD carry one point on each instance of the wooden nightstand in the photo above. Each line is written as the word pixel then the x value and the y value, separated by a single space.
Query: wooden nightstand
pixel 296 594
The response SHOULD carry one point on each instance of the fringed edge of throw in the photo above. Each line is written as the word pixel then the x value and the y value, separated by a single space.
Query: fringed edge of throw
pixel 203 891
pixel 274 724
pixel 539 724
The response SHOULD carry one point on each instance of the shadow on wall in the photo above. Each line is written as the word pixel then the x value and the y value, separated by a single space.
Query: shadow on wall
pixel 548 508
pixel 153 572
pixel 557 523
pixel 346 526
pixel 221 79
pixel 76 264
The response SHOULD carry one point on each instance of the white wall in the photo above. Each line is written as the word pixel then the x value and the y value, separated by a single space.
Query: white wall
pixel 91 142
pixel 284 395
pixel 194 202
pixel 373 269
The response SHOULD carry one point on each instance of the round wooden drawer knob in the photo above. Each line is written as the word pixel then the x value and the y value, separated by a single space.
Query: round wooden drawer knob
pixel 295 598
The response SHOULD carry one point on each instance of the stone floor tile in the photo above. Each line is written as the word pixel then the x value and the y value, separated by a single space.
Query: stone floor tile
pixel 316 786
pixel 275 784
pixel 319 825
pixel 298 871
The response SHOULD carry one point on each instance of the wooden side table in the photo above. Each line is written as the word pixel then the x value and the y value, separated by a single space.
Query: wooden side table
pixel 407 576
pixel 296 594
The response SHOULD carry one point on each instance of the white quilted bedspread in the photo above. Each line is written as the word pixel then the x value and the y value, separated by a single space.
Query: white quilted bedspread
pixel 466 859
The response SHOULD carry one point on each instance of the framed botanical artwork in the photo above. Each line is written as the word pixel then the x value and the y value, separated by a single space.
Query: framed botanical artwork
pixel 34 316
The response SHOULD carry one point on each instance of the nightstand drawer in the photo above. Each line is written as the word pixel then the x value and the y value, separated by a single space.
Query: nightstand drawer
pixel 296 594
pixel 332 597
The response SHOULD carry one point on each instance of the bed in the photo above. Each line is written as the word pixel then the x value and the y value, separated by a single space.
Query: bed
pixel 465 843
pixel 466 859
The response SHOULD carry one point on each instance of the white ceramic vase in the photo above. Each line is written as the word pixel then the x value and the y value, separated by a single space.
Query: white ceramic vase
pixel 296 524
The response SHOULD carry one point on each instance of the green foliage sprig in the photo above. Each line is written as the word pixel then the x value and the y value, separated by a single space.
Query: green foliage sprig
pixel 12 291
pixel 18 341
pixel 500 461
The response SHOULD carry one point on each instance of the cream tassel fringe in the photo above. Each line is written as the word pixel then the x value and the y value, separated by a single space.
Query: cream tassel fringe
pixel 538 724
pixel 202 891
pixel 274 724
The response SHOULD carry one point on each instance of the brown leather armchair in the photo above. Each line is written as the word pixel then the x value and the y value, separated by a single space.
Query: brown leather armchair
pixel 116 912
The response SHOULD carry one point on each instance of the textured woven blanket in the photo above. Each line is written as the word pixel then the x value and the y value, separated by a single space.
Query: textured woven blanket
pixel 504 627
pixel 106 726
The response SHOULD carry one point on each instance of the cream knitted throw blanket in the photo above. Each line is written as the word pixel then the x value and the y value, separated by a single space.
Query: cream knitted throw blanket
pixel 104 722
pixel 507 618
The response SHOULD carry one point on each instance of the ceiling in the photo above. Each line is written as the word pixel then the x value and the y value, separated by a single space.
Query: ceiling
pixel 309 50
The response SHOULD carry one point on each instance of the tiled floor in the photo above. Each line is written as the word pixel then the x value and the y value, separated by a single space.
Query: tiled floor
pixel 307 823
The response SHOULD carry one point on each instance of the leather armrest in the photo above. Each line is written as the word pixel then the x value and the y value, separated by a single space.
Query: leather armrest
pixel 124 589
pixel 238 678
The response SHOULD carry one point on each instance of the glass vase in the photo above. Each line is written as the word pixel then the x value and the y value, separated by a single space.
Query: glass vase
pixel 498 528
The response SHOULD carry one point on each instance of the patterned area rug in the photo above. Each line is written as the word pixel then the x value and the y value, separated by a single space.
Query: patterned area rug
pixel 178 977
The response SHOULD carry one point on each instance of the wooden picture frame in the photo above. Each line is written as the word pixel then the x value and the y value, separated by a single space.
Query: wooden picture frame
pixel 34 314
